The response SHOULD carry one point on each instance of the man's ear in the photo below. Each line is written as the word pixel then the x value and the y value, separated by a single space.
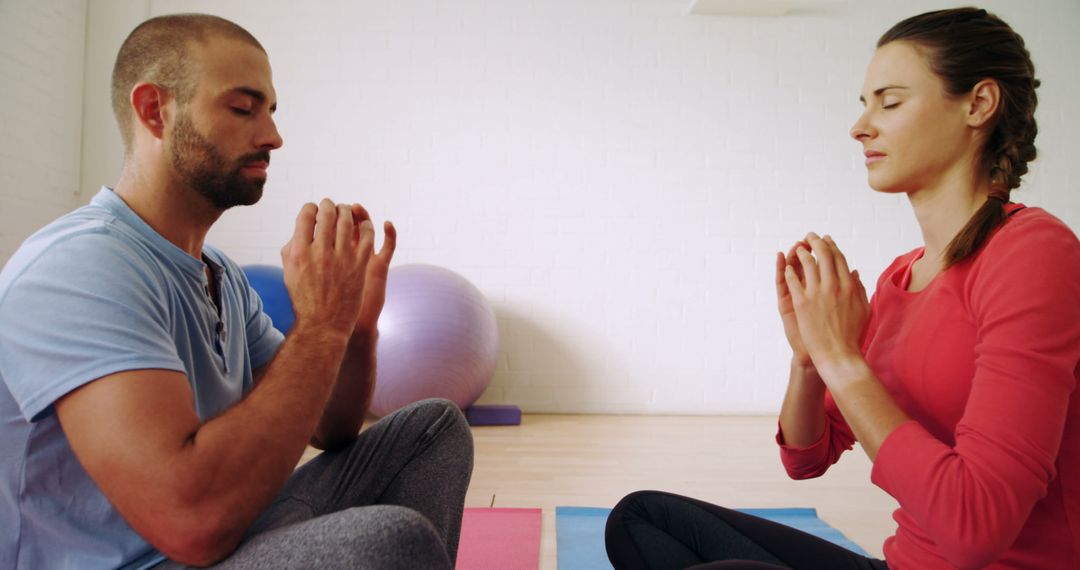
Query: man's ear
pixel 149 102
pixel 983 102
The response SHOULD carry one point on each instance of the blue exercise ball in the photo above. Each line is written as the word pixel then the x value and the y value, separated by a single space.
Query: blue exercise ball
pixel 269 282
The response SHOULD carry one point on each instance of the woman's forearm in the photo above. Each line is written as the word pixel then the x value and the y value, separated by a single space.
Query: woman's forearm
pixel 802 416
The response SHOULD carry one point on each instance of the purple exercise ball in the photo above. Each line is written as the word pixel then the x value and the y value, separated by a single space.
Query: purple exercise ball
pixel 437 339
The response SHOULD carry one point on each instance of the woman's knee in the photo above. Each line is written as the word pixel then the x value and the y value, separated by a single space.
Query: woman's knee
pixel 634 506
pixel 622 549
pixel 651 508
pixel 637 504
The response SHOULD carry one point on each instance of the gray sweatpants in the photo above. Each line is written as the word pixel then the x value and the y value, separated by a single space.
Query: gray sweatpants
pixel 392 499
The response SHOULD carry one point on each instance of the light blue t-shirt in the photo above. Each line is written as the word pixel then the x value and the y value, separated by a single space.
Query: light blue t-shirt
pixel 97 292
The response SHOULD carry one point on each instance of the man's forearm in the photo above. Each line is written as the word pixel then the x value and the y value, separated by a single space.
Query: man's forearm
pixel 240 460
pixel 351 397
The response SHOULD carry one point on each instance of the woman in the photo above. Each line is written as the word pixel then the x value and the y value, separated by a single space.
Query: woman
pixel 959 378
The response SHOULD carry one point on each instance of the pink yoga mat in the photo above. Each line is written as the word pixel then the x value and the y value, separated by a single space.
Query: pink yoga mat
pixel 499 539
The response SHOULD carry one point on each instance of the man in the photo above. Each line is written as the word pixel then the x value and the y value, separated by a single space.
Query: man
pixel 149 409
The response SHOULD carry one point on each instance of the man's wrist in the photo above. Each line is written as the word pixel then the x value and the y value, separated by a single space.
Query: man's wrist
pixel 326 337
pixel 363 339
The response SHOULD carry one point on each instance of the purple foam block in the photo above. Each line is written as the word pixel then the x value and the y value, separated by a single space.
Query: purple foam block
pixel 493 415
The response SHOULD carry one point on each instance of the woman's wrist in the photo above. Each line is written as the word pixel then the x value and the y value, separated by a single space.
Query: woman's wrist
pixel 843 370
pixel 803 371
pixel 802 361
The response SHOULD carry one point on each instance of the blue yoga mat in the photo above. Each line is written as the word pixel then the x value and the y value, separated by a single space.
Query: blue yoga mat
pixel 580 533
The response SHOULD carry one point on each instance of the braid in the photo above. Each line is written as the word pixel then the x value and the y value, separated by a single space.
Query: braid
pixel 1012 145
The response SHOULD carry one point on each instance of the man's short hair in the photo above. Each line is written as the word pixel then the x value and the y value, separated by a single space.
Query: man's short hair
pixel 157 51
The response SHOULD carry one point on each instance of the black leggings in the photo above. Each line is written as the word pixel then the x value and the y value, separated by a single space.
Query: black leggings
pixel 652 530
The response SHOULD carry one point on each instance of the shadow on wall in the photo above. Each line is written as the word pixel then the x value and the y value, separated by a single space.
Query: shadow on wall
pixel 540 368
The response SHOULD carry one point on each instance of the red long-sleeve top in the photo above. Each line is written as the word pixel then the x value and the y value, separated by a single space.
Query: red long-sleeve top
pixel 985 360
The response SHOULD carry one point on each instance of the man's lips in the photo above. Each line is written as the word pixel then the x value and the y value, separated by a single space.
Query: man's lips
pixel 258 166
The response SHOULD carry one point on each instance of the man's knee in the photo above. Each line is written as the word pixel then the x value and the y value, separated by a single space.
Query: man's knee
pixel 403 530
pixel 436 408
pixel 395 537
pixel 403 526
pixel 443 418
pixel 374 537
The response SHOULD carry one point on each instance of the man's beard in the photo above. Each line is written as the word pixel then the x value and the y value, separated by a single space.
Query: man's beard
pixel 203 168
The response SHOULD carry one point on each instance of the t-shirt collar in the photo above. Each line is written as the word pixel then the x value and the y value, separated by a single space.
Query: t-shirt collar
pixel 107 199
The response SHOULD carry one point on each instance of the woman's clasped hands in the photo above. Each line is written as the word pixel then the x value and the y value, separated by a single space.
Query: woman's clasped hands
pixel 822 303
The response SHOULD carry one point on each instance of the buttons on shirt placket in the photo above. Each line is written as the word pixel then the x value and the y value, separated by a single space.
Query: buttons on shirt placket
pixel 220 334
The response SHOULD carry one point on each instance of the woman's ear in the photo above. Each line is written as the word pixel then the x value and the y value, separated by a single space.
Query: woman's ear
pixel 148 101
pixel 983 102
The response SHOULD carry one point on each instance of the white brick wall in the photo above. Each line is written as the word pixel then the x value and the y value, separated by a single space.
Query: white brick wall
pixel 614 174
pixel 107 26
pixel 41 97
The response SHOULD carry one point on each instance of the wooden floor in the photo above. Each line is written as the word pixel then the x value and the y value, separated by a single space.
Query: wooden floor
pixel 594 460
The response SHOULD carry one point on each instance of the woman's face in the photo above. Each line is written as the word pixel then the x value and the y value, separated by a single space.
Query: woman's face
pixel 914 134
